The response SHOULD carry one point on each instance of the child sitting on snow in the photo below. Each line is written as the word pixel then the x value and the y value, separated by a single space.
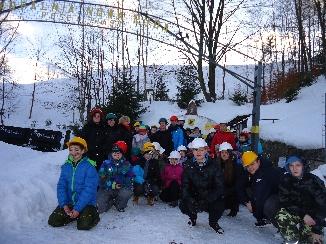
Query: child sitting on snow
pixel 76 189
pixel 303 204
pixel 171 177
pixel 147 179
pixel 116 180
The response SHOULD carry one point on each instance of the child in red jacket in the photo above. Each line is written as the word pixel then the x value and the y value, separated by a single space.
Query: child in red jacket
pixel 171 177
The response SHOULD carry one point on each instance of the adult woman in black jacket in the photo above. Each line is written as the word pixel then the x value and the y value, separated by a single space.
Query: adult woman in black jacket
pixel 93 133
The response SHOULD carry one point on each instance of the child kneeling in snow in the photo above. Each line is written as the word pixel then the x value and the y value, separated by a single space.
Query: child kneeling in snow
pixel 171 177
pixel 303 204
pixel 76 189
pixel 116 180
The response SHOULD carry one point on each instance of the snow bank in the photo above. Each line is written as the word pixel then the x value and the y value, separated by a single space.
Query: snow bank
pixel 321 172
pixel 28 184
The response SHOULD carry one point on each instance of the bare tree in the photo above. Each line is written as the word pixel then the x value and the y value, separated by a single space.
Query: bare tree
pixel 207 18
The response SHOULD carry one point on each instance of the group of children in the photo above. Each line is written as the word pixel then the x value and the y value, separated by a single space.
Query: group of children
pixel 204 175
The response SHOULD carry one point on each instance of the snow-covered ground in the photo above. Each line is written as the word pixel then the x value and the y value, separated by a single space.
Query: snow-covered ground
pixel 28 188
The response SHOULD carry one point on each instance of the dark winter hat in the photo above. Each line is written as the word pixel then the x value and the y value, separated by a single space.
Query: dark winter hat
pixel 291 160
pixel 110 116
pixel 163 120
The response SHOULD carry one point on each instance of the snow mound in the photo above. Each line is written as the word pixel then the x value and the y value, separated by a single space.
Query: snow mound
pixel 321 172
pixel 28 182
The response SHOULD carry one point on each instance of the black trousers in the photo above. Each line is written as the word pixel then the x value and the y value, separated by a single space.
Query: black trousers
pixel 191 207
pixel 231 201
pixel 172 193
pixel 271 207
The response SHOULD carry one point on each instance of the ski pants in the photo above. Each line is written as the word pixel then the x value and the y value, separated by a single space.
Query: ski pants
pixel 107 198
pixel 87 219
pixel 171 193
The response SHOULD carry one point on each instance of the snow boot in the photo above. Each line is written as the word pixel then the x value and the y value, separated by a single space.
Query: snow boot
pixel 150 201
pixel 263 223
pixel 135 200
pixel 192 220
pixel 173 204
pixel 217 228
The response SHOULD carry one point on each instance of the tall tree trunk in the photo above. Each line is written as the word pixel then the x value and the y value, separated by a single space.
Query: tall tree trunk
pixel 202 80
pixel 211 64
pixel 321 13
pixel 302 43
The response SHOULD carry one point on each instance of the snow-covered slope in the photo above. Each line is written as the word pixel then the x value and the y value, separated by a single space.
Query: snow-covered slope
pixel 28 189
pixel 300 122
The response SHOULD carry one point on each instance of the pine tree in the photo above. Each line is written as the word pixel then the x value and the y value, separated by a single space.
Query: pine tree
pixel 124 100
pixel 188 88
pixel 161 91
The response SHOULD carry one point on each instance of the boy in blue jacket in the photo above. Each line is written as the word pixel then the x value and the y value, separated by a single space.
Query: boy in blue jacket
pixel 116 180
pixel 76 189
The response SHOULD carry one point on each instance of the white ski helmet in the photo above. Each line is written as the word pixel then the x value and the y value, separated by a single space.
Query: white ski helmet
pixel 198 143
pixel 211 130
pixel 175 154
pixel 158 147
pixel 181 148
pixel 225 146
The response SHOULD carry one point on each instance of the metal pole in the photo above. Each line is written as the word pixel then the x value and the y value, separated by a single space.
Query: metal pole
pixel 256 108
pixel 325 129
